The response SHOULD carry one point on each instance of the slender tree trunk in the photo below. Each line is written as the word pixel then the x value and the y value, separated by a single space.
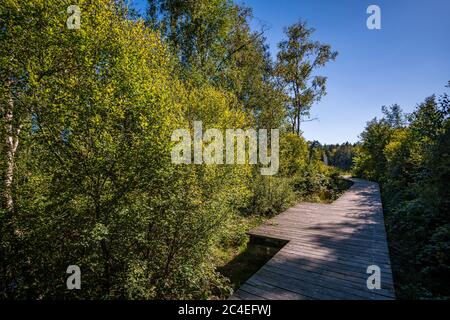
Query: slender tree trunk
pixel 12 142
pixel 298 119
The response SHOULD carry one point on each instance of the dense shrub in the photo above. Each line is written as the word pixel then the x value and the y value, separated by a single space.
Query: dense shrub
pixel 272 195
pixel 409 156
pixel 85 125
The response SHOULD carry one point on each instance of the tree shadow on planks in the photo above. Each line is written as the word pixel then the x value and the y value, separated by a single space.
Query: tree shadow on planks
pixel 328 259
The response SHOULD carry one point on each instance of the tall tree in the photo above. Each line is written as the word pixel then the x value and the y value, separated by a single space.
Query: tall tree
pixel 297 60
pixel 13 84
pixel 213 43
pixel 196 31
pixel 394 116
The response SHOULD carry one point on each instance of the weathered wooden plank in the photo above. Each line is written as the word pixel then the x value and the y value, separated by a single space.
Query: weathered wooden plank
pixel 267 291
pixel 349 250
pixel 244 295
pixel 324 268
pixel 327 281
pixel 292 232
pixel 328 250
pixel 313 262
pixel 302 287
pixel 351 259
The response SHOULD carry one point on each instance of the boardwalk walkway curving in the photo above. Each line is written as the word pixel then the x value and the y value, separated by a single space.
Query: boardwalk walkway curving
pixel 327 252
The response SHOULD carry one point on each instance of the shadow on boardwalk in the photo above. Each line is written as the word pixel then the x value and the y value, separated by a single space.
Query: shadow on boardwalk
pixel 327 252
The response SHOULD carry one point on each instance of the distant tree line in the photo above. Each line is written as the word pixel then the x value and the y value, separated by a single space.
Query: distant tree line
pixel 339 155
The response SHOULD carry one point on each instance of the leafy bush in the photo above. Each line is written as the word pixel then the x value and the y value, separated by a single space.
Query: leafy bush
pixel 272 195
pixel 87 177
pixel 411 161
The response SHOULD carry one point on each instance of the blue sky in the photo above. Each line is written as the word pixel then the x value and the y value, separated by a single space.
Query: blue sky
pixel 404 62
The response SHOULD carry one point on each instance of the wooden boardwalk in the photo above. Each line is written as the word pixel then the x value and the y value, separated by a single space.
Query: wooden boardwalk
pixel 328 249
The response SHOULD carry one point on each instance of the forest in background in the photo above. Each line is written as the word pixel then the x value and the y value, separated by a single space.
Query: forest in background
pixel 85 124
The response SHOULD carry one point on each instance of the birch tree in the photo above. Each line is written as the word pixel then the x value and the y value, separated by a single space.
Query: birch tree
pixel 298 58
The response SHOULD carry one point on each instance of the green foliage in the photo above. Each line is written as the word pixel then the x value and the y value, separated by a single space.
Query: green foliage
pixel 94 184
pixel 370 161
pixel 272 195
pixel 411 160
pixel 196 31
pixel 86 123
pixel 340 155
pixel 302 177
pixel 297 59
pixel 213 43
pixel 294 154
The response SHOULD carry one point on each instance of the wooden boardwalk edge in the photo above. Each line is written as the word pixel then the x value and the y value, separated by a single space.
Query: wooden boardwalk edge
pixel 327 249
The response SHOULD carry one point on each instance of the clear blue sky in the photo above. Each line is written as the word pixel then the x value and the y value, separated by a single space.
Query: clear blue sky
pixel 404 62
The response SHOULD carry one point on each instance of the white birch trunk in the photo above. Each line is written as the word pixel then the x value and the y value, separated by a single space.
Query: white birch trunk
pixel 12 142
